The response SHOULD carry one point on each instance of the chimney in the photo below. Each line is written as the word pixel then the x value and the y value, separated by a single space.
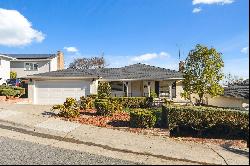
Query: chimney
pixel 181 66
pixel 60 60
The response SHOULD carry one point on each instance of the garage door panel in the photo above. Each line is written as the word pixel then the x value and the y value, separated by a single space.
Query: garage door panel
pixel 55 92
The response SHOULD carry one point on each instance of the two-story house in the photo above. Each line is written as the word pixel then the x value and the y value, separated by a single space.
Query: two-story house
pixel 29 64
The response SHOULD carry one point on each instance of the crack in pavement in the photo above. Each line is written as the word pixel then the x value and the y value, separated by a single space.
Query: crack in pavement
pixel 219 155
pixel 216 153
pixel 71 140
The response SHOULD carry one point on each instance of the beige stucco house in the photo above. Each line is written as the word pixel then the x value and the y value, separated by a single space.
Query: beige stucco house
pixel 235 96
pixel 133 81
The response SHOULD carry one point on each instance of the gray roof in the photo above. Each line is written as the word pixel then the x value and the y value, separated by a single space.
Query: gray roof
pixel 31 56
pixel 64 73
pixel 136 71
pixel 239 90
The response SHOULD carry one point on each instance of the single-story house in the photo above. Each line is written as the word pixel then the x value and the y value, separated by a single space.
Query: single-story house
pixel 28 64
pixel 134 80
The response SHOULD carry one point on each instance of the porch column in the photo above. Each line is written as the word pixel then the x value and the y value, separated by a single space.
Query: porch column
pixel 170 91
pixel 127 84
pixel 148 88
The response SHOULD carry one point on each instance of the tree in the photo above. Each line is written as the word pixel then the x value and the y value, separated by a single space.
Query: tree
pixel 203 72
pixel 88 63
pixel 230 79
pixel 13 74
pixel 103 90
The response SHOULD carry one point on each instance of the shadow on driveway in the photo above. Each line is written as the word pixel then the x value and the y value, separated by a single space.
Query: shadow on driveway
pixel 236 151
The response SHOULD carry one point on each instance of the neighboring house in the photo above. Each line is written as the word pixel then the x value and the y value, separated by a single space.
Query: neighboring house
pixel 134 80
pixel 29 64
pixel 5 68
pixel 235 96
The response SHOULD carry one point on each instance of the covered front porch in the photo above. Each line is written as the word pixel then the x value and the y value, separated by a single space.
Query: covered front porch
pixel 140 88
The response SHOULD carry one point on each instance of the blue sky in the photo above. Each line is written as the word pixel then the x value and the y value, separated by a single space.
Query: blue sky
pixel 128 31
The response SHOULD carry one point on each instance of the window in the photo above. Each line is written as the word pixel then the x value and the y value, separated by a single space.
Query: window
pixel 31 66
pixel 116 86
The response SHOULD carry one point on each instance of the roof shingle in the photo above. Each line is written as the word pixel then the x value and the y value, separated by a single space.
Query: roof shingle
pixel 240 90
pixel 136 71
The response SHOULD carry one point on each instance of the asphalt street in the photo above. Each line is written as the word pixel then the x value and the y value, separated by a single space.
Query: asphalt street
pixel 15 152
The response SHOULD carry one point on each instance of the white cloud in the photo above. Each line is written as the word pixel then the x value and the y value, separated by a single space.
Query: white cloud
pixel 149 56
pixel 245 50
pixel 16 30
pixel 197 10
pixel 210 2
pixel 71 49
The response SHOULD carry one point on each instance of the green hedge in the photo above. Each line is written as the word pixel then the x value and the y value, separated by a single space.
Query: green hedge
pixel 11 91
pixel 205 118
pixel 104 108
pixel 142 118
pixel 20 91
pixel 8 92
pixel 133 102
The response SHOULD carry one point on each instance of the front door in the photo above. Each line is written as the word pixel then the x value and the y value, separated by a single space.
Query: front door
pixel 136 88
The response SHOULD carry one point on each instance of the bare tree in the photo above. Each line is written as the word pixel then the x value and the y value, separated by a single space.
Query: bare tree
pixel 230 79
pixel 88 63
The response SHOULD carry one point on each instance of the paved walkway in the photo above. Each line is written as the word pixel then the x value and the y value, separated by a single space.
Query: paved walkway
pixel 36 120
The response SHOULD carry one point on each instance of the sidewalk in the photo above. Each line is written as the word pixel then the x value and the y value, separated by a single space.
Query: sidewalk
pixel 33 119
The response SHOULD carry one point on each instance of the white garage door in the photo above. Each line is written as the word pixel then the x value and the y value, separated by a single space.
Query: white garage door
pixel 56 92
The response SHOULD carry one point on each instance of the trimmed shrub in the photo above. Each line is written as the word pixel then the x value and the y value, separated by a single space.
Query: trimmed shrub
pixel 202 119
pixel 164 117
pixel 86 103
pixel 117 106
pixel 21 91
pixel 158 114
pixel 142 118
pixel 69 109
pixel 104 108
pixel 133 102
pixel 104 90
pixel 8 92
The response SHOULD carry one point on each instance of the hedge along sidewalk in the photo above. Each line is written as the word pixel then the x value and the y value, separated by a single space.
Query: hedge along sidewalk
pixel 205 118
pixel 126 142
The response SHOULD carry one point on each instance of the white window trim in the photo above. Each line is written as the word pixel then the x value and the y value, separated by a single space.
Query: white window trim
pixel 33 63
